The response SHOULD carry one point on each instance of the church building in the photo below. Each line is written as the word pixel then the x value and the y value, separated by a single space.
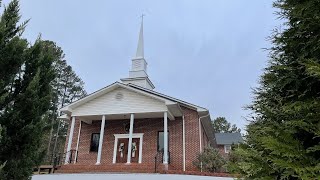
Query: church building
pixel 127 126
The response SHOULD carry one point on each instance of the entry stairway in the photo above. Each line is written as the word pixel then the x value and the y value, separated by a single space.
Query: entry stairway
pixel 130 168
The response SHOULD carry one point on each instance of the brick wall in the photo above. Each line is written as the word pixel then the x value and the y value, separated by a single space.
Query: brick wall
pixel 205 139
pixel 192 137
pixel 150 128
pixel 222 152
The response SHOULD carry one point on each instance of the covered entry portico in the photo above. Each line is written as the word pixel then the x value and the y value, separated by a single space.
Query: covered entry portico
pixel 131 143
pixel 133 125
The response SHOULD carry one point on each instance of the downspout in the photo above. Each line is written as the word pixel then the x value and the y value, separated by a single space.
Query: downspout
pixel 183 140
pixel 200 133
pixel 183 143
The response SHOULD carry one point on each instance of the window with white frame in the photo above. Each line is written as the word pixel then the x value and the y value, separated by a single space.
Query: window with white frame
pixel 161 140
pixel 227 148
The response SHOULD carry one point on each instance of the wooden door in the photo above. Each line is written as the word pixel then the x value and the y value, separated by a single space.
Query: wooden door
pixel 135 150
pixel 122 150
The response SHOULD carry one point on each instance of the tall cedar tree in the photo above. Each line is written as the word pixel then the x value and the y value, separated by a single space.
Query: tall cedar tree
pixel 283 140
pixel 25 94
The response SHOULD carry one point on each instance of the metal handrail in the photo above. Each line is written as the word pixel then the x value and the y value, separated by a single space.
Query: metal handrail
pixel 158 156
pixel 59 159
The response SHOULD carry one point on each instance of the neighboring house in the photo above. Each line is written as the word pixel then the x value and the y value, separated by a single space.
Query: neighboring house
pixel 124 126
pixel 226 140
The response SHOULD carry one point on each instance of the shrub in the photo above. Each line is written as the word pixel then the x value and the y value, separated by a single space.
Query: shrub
pixel 210 160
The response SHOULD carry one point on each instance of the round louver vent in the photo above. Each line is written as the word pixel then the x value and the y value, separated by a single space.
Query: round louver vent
pixel 119 96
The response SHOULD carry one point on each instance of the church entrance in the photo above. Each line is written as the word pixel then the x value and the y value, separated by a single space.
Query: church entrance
pixel 122 150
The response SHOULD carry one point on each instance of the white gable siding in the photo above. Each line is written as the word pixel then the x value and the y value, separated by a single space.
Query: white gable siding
pixel 115 103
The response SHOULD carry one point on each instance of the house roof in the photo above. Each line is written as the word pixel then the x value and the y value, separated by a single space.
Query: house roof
pixel 228 138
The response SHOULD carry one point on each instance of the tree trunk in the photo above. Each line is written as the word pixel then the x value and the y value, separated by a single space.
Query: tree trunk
pixel 59 114
pixel 50 138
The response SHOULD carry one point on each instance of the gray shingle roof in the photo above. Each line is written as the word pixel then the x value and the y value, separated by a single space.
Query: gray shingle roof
pixel 228 138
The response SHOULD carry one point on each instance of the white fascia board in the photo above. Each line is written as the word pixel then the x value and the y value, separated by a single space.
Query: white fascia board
pixel 203 112
pixel 64 117
pixel 66 110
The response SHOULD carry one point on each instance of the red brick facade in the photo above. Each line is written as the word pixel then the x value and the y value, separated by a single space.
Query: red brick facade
pixel 222 151
pixel 150 129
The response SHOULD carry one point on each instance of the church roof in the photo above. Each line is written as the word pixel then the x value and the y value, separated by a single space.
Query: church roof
pixel 146 91
pixel 196 107
pixel 172 103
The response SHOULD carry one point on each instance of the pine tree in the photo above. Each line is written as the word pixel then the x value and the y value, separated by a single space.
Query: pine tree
pixel 73 89
pixel 283 140
pixel 67 87
pixel 25 95
pixel 221 125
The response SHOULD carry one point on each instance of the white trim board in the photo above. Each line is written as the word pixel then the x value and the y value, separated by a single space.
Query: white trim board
pixel 119 136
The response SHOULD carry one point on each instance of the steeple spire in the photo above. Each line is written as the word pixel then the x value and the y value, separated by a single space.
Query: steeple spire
pixel 138 73
pixel 140 48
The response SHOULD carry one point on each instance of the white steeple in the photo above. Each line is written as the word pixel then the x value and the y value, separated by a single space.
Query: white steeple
pixel 138 73
pixel 140 48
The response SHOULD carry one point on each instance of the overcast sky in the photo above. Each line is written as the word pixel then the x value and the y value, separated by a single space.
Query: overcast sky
pixel 207 52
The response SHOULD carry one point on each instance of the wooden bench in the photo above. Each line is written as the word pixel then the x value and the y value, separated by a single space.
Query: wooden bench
pixel 50 168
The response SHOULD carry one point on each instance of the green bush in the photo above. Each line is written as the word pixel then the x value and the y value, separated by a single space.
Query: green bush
pixel 210 160
pixel 2 165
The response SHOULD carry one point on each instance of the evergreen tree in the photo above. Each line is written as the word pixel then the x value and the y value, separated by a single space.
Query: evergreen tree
pixel 25 95
pixel 2 165
pixel 283 140
pixel 221 125
pixel 67 87
pixel 53 115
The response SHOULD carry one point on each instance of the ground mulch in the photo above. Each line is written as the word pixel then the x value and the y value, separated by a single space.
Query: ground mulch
pixel 197 173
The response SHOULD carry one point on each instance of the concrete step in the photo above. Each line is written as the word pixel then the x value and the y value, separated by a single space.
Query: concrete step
pixel 131 168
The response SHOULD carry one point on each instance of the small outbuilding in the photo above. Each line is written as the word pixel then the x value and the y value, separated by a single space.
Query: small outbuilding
pixel 226 140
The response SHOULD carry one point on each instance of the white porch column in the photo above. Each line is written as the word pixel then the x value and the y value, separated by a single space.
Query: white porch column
pixel 165 140
pixel 78 141
pixel 130 138
pixel 103 122
pixel 70 140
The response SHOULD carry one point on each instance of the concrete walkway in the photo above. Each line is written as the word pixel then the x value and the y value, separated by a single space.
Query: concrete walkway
pixel 124 177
